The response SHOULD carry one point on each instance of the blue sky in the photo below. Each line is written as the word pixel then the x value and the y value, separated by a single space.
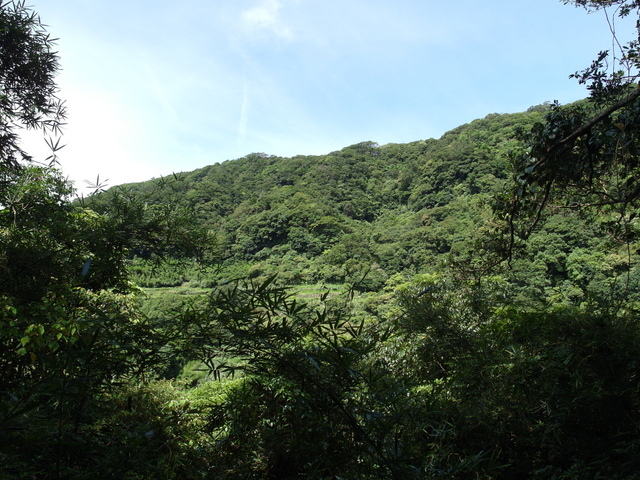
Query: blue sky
pixel 156 87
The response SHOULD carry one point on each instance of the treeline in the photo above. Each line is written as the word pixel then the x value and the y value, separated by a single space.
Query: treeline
pixel 366 207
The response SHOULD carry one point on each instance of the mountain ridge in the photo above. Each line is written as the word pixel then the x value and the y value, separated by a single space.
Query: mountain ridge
pixel 365 210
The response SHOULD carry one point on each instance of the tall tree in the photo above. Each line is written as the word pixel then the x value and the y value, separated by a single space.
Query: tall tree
pixel 586 153
pixel 70 328
pixel 28 66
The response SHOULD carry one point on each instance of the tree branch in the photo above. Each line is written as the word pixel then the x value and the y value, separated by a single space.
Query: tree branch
pixel 589 125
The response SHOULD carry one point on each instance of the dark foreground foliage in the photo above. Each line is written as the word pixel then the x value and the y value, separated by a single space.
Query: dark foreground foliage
pixel 462 385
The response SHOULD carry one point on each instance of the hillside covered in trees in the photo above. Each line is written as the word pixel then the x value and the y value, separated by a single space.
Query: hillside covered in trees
pixel 455 308
pixel 365 208
pixel 368 215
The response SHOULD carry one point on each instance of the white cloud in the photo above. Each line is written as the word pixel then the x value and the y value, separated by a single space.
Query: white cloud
pixel 266 17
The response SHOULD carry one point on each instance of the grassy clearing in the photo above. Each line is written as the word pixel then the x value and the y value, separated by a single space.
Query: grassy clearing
pixel 317 290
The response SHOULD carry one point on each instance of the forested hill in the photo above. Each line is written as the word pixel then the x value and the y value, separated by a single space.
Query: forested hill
pixel 380 209
pixel 362 180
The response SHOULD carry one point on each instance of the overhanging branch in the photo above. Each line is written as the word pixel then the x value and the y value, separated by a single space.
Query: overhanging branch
pixel 586 127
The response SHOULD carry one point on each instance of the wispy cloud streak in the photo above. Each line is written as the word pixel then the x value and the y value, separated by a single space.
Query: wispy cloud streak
pixel 244 111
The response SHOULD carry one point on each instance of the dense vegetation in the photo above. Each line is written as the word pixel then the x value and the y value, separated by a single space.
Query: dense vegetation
pixel 459 308
pixel 332 218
